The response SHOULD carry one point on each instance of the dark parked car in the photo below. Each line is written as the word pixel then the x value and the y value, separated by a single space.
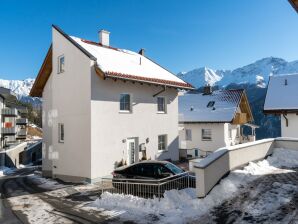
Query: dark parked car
pixel 151 177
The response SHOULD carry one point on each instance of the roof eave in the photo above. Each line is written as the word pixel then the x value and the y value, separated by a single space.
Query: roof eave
pixel 279 111
pixel 108 75
pixel 294 4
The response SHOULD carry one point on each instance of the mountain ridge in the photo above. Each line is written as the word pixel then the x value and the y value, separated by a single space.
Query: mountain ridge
pixel 257 73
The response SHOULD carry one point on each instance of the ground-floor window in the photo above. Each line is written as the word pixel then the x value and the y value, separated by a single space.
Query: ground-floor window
pixel 206 134
pixel 162 142
pixel 61 132
pixel 188 136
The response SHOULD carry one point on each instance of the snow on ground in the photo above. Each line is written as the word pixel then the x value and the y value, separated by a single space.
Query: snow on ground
pixel 45 183
pixel 183 206
pixel 5 170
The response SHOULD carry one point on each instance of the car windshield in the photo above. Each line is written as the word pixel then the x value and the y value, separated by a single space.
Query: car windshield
pixel 174 169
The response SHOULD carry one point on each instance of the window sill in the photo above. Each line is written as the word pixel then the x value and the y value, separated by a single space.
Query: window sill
pixel 207 140
pixel 161 112
pixel 125 112
pixel 61 142
pixel 159 151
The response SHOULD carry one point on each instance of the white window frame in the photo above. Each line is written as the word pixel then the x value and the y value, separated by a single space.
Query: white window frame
pixel 164 105
pixel 164 142
pixel 204 137
pixel 130 104
pixel 61 132
pixel 60 69
pixel 188 135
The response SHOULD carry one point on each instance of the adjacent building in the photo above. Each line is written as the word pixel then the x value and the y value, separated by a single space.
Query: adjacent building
pixel 281 100
pixel 104 107
pixel 12 119
pixel 211 120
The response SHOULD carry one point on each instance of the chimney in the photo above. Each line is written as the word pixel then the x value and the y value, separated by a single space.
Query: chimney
pixel 104 37
pixel 207 90
pixel 142 52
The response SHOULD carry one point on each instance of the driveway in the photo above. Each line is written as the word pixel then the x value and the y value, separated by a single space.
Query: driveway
pixel 28 198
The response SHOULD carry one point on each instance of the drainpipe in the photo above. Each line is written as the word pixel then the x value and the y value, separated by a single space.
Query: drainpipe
pixel 163 89
pixel 287 120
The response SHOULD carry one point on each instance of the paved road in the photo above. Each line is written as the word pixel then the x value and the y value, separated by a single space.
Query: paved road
pixel 24 201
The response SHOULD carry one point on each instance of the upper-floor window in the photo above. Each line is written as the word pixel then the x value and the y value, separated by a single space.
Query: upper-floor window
pixel 61 132
pixel 188 135
pixel 161 104
pixel 61 63
pixel 162 142
pixel 125 104
pixel 206 134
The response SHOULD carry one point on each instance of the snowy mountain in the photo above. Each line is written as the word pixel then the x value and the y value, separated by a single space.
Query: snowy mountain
pixel 21 88
pixel 256 73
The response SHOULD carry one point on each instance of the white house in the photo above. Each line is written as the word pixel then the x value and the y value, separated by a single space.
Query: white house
pixel 103 107
pixel 211 120
pixel 281 99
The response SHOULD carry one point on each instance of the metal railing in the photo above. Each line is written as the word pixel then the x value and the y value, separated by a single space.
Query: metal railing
pixel 10 131
pixel 9 112
pixel 147 188
pixel 21 121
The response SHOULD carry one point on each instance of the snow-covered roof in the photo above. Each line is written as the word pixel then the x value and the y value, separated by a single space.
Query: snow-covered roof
pixel 194 107
pixel 112 63
pixel 121 63
pixel 282 93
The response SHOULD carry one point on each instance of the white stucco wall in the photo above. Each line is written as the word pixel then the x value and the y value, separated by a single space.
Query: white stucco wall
pixel 67 100
pixel 110 127
pixel 48 118
pixel 291 130
pixel 220 136
pixel 94 129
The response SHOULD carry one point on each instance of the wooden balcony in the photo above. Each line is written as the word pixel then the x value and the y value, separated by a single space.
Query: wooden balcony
pixel 240 118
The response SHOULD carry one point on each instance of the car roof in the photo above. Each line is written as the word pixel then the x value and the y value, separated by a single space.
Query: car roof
pixel 143 162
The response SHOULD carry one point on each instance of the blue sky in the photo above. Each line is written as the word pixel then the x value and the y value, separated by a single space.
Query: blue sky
pixel 180 35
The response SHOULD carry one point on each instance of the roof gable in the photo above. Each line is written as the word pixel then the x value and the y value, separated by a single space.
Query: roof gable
pixel 112 63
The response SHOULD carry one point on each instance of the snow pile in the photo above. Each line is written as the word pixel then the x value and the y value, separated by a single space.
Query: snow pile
pixel 183 206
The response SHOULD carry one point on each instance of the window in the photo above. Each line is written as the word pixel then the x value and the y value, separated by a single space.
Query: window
pixel 230 133
pixel 161 104
pixel 211 104
pixel 61 132
pixel 162 142
pixel 61 64
pixel 188 134
pixel 206 134
pixel 124 102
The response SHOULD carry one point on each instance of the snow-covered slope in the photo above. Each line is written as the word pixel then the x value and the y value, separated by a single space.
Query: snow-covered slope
pixel 256 73
pixel 22 89
pixel 19 87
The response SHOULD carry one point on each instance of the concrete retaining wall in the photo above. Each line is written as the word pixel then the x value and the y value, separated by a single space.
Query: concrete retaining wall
pixel 211 170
